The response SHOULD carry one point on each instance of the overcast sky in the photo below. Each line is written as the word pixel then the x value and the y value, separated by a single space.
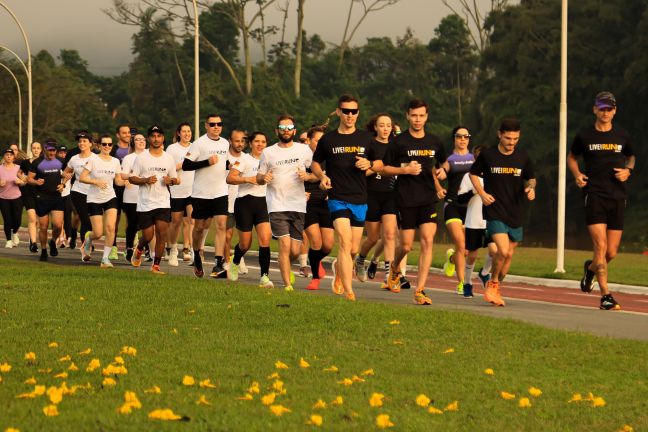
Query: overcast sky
pixel 106 45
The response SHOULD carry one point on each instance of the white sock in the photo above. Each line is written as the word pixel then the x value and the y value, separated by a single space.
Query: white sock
pixel 303 260
pixel 468 273
pixel 107 250
pixel 488 263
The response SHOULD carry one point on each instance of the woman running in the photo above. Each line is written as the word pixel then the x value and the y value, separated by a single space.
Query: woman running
pixel 129 204
pixel 101 172
pixel 10 198
pixel 251 209
pixel 29 196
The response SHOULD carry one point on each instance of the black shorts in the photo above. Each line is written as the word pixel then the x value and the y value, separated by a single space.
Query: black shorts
pixel 454 212
pixel 180 205
pixel 119 191
pixel 413 217
pixel 147 219
pixel 208 208
pixel 46 204
pixel 318 214
pixel 476 239
pixel 29 200
pixel 98 209
pixel 231 222
pixel 599 210
pixel 379 204
pixel 250 211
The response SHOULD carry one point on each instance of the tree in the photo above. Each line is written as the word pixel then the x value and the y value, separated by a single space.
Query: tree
pixel 475 18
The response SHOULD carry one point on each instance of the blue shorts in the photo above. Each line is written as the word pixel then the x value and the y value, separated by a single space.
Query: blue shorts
pixel 356 213
pixel 498 227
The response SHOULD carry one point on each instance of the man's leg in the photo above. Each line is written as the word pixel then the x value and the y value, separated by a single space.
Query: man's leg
pixel 456 230
pixel 342 226
pixel 284 259
pixel 200 226
pixel 426 234
pixel 219 242
pixel 599 235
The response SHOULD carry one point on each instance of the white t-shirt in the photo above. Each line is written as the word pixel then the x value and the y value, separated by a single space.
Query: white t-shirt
pixel 209 182
pixel 232 190
pixel 183 190
pixel 131 192
pixel 285 192
pixel 157 195
pixel 248 166
pixel 77 163
pixel 104 171
pixel 474 215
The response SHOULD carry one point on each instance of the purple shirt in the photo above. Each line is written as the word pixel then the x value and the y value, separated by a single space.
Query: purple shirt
pixel 9 190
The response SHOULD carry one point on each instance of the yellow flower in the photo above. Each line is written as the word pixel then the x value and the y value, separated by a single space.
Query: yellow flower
pixel 356 378
pixel 332 368
pixel 39 390
pixel 55 395
pixel 394 322
pixel 320 404
pixel 453 406
pixel 10 429
pixel 174 330
pixel 30 395
pixel 61 375
pixel 598 402
pixel 280 365
pixel 303 363
pixel 339 400
pixel 188 380
pixel 202 400
pixel 576 397
pixel 94 364
pixel 206 384
pixel 489 371
pixel 85 351
pixel 119 360
pixel 398 342
pixel 45 371
pixel 278 386
pixel 590 396
pixel 535 392
pixel 52 345
pixel 315 420
pixel 268 399
pixel 422 400
pixel 246 397
pixel 254 388
pixel 30 356
pixel 30 381
pixel 448 351
pixel 507 396
pixel 81 298
pixel 114 370
pixel 346 381
pixel 383 422
pixel 73 367
pixel 65 358
pixel 368 372
pixel 125 409
pixel 274 375
pixel 50 411
pixel 131 398
pixel 524 403
pixel 128 350
pixel 109 382
pixel 279 410
pixel 433 410
pixel 5 367
pixel 155 389
pixel 626 428
pixel 163 414
pixel 376 400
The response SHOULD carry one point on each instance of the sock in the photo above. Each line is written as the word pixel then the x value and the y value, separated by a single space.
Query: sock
pixel 375 259
pixel 219 261
pixel 387 265
pixel 264 260
pixel 315 257
pixel 238 255
pixel 360 259
pixel 106 252
pixel 488 263
pixel 156 260
pixel 469 272
pixel 303 260
pixel 168 250
pixel 197 259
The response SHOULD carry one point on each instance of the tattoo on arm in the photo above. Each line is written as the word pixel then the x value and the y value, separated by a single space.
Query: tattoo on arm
pixel 531 183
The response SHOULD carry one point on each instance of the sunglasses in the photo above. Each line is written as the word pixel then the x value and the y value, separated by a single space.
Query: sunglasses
pixel 460 136
pixel 106 144
pixel 349 111
pixel 214 124
pixel 286 127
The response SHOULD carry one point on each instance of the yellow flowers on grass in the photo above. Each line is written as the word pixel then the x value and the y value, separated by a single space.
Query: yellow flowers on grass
pixel 129 351
pixel 433 410
pixel 596 401
pixel 303 363
pixel 254 388
pixel 394 322
pixel 489 371
pixel 356 378
pixel 452 406
pixel 206 384
pixel 65 358
pixel 246 397
pixel 315 420
pixel 507 396
pixel 320 404
pixel 449 351
pixel 346 382
pixel 268 399
pixel 188 381
pixel 279 410
pixel 119 360
pixel 274 375
pixel 30 356
pixel 73 367
pixel 86 351
pixel 339 400
pixel 55 395
pixel 332 368
pixel 202 400
pixel 163 414
pixel 535 392
pixel 50 411
pixel 130 402
pixel 5 367
pixel 368 372
pixel 576 397
pixel 278 386
pixel 109 382
pixel 93 365
pixel 112 369
pixel 376 400
pixel 422 400
pixel 61 375
pixel 155 390
pixel 52 345
pixel 30 381
pixel 280 365
pixel 383 421
pixel 524 402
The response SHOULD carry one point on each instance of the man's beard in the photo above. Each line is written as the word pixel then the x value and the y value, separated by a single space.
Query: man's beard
pixel 285 140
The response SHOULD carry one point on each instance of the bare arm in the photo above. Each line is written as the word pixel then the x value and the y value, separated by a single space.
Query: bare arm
pixel 572 164
pixel 529 189
pixel 486 198
pixel 235 178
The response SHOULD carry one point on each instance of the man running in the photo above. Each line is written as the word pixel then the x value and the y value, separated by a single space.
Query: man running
pixel 207 156
pixel 238 141
pixel 609 160
pixel 123 134
pixel 508 180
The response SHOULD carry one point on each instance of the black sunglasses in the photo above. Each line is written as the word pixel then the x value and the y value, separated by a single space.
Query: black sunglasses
pixel 214 124
pixel 107 144
pixel 349 111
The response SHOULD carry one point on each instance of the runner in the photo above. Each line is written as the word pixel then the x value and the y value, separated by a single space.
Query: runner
pixel 609 160
pixel 101 172
pixel 131 192
pixel 283 169
pixel 414 157
pixel 29 195
pixel 237 145
pixel 347 153
pixel 208 156
pixel 10 198
pixel 66 234
pixel 319 228
pixel 46 176
pixel 123 134
pixel 180 195
pixel 381 202
pixel 154 171
pixel 508 178
pixel 454 213
pixel 250 209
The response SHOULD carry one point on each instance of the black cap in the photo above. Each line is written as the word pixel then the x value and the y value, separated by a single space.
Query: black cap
pixel 83 134
pixel 62 148
pixel 8 150
pixel 155 128
pixel 605 99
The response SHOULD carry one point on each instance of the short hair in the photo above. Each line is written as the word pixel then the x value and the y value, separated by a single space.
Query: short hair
pixel 105 136
pixel 510 125
pixel 346 97
pixel 418 103
pixel 121 125
pixel 239 131
pixel 254 134
pixel 314 129
pixel 286 117
pixel 210 115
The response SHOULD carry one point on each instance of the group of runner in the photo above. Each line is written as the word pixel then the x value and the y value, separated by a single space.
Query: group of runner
pixel 335 184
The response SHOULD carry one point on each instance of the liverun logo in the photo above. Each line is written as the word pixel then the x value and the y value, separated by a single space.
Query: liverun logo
pixel 517 172
pixel 616 148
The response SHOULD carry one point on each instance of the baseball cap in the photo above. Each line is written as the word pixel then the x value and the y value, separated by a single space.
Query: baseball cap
pixel 155 128
pixel 62 148
pixel 605 100
pixel 50 143
pixel 8 150
pixel 83 134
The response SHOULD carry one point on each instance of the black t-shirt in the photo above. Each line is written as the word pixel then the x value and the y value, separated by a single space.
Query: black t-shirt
pixel 504 177
pixel 339 151
pixel 50 171
pixel 415 190
pixel 376 182
pixel 602 152
pixel 317 196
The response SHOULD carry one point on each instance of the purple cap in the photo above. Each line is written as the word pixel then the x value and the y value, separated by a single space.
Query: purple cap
pixel 50 144
pixel 605 100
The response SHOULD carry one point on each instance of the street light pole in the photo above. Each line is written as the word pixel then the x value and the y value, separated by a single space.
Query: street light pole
pixel 29 77
pixel 20 146
pixel 562 146
pixel 196 72
pixel 22 63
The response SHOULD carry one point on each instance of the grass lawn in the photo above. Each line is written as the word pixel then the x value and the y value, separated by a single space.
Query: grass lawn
pixel 234 335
